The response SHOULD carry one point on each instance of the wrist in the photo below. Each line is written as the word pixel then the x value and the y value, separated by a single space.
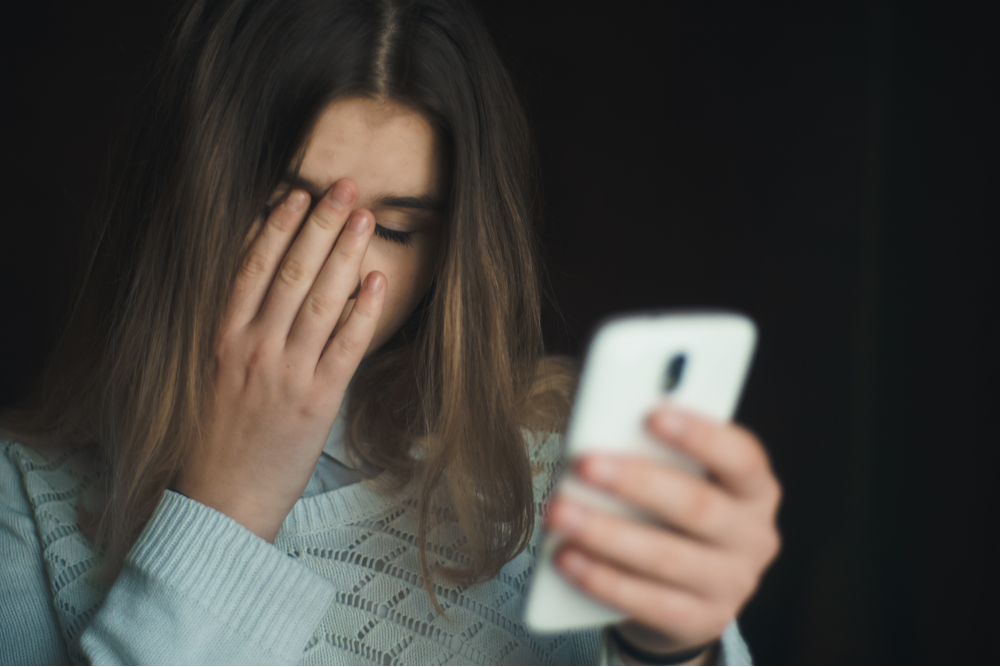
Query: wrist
pixel 631 652
pixel 246 510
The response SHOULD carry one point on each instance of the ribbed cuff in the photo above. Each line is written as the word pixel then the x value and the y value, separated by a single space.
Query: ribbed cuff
pixel 257 591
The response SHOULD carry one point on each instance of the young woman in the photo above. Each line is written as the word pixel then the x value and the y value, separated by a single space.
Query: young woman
pixel 301 411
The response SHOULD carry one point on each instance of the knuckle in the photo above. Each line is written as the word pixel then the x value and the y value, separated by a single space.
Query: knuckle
pixel 701 504
pixel 255 265
pixel 309 411
pixel 244 365
pixel 334 365
pixel 257 358
pixel 293 272
pixel 320 305
pixel 344 346
pixel 325 217
pixel 285 219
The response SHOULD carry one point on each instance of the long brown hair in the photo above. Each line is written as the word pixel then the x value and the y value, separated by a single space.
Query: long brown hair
pixel 230 104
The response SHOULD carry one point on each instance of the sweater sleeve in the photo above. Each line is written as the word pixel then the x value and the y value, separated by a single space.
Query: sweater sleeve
pixel 197 588
pixel 29 630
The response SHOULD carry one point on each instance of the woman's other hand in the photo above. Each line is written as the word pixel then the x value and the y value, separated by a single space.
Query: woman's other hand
pixel 681 581
pixel 279 377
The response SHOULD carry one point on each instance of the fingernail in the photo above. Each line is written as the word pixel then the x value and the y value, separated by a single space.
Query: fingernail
pixel 341 195
pixel 374 283
pixel 296 201
pixel 672 423
pixel 359 223
pixel 599 469
pixel 569 517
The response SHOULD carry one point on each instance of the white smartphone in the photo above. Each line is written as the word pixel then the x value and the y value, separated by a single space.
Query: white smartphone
pixel 697 361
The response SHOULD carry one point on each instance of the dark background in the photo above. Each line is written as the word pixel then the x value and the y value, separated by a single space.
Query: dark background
pixel 828 170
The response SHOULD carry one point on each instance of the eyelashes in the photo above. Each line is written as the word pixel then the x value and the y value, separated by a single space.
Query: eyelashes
pixel 402 238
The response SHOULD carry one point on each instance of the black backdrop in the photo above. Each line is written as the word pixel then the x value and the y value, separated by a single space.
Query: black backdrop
pixel 824 169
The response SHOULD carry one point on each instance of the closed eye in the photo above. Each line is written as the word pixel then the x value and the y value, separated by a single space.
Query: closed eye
pixel 402 238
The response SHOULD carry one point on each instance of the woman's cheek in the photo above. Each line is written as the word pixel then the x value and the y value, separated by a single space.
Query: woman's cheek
pixel 408 271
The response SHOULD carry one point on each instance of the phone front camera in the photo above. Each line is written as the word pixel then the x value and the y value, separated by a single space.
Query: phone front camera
pixel 675 369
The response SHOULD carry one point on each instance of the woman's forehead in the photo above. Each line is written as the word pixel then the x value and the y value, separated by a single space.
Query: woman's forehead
pixel 384 147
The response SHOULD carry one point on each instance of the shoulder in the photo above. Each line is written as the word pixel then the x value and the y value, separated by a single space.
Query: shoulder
pixel 11 487
pixel 46 485
pixel 29 628
pixel 16 461
pixel 59 467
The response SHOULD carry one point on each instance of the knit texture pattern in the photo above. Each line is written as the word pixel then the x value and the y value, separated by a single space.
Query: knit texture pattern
pixel 54 487
pixel 363 542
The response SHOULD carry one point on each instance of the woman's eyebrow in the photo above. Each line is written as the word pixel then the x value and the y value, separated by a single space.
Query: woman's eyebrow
pixel 422 202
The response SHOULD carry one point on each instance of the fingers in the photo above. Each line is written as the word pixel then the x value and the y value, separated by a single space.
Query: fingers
pixel 305 259
pixel 688 580
pixel 345 350
pixel 682 615
pixel 651 552
pixel 731 454
pixel 678 499
pixel 339 277
pixel 262 261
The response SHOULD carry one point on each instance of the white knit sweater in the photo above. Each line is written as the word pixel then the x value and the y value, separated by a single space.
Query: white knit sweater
pixel 340 585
